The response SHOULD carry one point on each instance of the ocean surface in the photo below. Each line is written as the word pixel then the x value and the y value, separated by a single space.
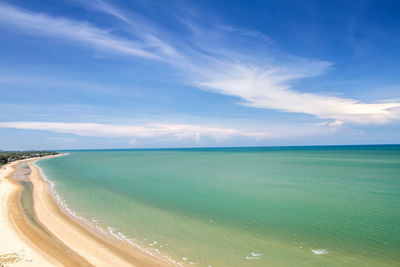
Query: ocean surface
pixel 276 206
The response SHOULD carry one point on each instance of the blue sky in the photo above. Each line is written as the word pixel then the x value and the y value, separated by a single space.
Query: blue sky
pixel 102 74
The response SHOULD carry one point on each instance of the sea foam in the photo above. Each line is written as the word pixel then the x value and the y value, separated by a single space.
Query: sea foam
pixel 95 222
pixel 319 251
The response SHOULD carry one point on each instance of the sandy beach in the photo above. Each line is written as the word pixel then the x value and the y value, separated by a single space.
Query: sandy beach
pixel 44 235
pixel 14 249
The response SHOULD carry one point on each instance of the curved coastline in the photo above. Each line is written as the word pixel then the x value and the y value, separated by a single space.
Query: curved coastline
pixel 22 221
pixel 14 247
pixel 62 239
pixel 108 234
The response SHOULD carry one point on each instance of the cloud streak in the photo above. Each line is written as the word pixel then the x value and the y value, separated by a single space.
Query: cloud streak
pixel 138 26
pixel 118 130
pixel 175 131
pixel 40 24
pixel 216 67
pixel 271 88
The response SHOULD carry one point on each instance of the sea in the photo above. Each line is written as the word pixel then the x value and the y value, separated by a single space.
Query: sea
pixel 253 206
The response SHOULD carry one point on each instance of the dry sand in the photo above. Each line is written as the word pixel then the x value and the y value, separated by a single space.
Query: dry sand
pixel 53 238
pixel 14 250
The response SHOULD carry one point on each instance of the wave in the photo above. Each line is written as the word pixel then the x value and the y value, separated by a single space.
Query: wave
pixel 252 258
pixel 93 222
pixel 319 251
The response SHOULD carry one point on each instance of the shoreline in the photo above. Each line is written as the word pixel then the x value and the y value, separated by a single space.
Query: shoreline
pixel 14 248
pixel 58 237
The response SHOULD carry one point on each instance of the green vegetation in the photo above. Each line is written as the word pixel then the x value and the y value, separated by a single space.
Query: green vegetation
pixel 9 156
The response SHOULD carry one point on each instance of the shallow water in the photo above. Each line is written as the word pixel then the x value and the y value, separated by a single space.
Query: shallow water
pixel 22 171
pixel 304 206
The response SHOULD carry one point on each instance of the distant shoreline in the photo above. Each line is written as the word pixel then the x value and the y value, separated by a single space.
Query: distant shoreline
pixel 55 235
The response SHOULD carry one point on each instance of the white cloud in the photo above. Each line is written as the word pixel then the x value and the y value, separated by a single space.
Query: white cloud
pixel 174 131
pixel 148 34
pixel 215 67
pixel 115 130
pixel 34 23
pixel 270 87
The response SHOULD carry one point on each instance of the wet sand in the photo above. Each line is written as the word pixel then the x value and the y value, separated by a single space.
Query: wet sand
pixel 15 249
pixel 53 236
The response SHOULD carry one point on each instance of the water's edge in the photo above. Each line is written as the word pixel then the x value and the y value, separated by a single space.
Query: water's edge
pixel 92 224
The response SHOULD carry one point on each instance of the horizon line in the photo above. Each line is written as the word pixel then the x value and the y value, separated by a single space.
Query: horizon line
pixel 208 147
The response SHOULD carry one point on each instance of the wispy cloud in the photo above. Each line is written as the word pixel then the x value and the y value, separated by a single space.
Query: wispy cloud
pixel 271 88
pixel 138 26
pixel 258 81
pixel 117 130
pixel 175 131
pixel 34 23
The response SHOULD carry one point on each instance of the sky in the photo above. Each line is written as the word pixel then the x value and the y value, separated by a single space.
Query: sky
pixel 96 74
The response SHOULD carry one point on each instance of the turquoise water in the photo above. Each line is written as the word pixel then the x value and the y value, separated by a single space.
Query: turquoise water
pixel 288 206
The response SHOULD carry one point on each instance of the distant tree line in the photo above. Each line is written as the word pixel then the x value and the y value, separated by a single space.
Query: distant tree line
pixel 9 156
